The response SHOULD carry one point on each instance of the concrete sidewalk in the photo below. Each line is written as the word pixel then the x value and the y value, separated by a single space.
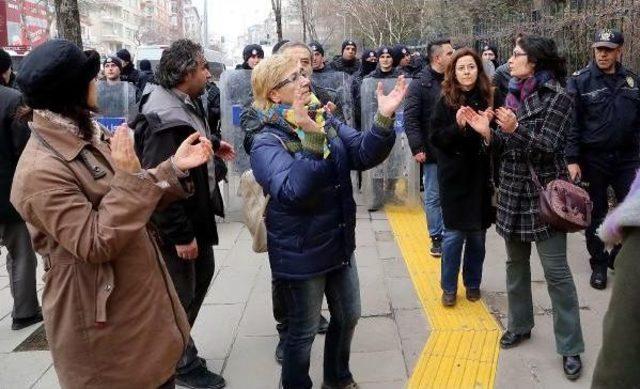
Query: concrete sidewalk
pixel 236 333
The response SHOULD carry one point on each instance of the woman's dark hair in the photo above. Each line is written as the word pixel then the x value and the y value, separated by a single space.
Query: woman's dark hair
pixel 543 53
pixel 75 109
pixel 181 58
pixel 451 90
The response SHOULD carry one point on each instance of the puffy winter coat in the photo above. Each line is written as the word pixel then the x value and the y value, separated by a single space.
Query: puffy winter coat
pixel 311 215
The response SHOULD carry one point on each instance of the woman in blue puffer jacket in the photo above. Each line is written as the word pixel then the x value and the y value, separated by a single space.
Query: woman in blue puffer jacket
pixel 303 157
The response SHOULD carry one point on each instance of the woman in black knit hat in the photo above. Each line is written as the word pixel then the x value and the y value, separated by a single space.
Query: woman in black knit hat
pixel 112 316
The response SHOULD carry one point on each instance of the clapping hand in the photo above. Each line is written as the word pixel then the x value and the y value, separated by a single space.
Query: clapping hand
pixel 479 122
pixel 122 152
pixel 388 104
pixel 191 154
pixel 507 120
pixel 226 151
pixel 461 117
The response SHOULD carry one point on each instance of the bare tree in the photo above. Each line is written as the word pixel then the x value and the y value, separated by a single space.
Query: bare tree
pixel 68 20
pixel 276 5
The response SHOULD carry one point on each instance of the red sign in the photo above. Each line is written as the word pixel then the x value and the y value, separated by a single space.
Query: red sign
pixel 22 23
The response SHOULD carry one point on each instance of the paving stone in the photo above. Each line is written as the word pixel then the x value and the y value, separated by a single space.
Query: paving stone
pixel 378 366
pixel 48 381
pixel 388 250
pixel 375 334
pixel 258 317
pixel 232 285
pixel 215 329
pixel 402 293
pixel 384 385
pixel 252 364
pixel 412 349
pixel 379 225
pixel 22 370
pixel 411 323
pixel 10 339
pixel 395 268
pixel 374 297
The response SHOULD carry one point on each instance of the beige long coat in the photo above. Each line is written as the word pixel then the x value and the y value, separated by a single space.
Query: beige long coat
pixel 112 316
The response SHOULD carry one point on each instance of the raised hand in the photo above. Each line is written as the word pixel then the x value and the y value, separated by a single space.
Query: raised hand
pixel 226 151
pixel 191 154
pixel 507 120
pixel 301 111
pixel 388 104
pixel 122 152
pixel 461 118
pixel 479 123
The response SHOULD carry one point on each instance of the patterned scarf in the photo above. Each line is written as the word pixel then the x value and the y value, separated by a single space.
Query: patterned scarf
pixel 519 90
pixel 284 116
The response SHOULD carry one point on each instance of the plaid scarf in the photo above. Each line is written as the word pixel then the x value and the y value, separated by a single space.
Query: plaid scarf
pixel 519 90
pixel 284 116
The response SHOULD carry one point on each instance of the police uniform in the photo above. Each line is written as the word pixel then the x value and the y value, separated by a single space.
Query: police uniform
pixel 604 141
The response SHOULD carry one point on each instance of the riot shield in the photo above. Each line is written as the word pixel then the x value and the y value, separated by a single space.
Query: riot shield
pixel 235 96
pixel 116 104
pixel 397 180
pixel 335 87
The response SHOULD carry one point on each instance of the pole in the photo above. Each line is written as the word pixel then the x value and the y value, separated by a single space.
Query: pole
pixel 206 24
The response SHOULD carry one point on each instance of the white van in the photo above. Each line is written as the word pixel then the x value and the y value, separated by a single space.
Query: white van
pixel 154 52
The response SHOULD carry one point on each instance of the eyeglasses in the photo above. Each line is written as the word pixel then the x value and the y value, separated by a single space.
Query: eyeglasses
pixel 292 78
pixel 517 54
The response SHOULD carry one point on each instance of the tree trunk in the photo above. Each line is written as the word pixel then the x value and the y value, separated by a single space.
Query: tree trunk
pixel 303 11
pixel 68 21
pixel 276 5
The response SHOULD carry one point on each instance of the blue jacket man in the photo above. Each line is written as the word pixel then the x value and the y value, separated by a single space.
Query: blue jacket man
pixel 603 145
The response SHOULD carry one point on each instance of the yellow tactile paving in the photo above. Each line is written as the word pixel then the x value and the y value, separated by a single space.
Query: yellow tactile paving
pixel 462 350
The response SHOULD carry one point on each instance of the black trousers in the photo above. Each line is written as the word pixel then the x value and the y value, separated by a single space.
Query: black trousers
pixel 601 170
pixel 191 279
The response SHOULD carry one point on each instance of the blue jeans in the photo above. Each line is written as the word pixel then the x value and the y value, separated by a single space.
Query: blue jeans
pixel 432 199
pixel 474 250
pixel 304 301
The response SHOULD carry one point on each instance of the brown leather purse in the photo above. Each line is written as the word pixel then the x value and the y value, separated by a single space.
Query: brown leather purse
pixel 563 205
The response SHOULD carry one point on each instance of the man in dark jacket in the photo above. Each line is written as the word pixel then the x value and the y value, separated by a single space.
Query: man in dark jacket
pixel 369 63
pixel 7 77
pixel 421 97
pixel 317 61
pixel 603 144
pixel 188 227
pixel 347 62
pixel 403 61
pixel 129 72
pixel 21 259
pixel 251 56
pixel 146 74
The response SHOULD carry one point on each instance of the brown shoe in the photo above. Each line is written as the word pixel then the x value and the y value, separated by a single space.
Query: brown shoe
pixel 448 299
pixel 473 294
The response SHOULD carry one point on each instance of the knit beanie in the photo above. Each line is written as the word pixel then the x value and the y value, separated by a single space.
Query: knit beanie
pixel 315 46
pixel 124 55
pixel 348 43
pixel 384 50
pixel 114 60
pixel 251 50
pixel 399 51
pixel 57 73
pixel 145 65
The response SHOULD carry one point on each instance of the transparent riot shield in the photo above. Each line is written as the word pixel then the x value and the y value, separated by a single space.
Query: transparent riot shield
pixel 335 87
pixel 397 180
pixel 235 96
pixel 116 104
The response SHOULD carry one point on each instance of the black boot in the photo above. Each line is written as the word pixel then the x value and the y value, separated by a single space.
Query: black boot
pixel 509 339
pixel 436 247
pixel 572 366
pixel 200 378
pixel 599 278
pixel 19 324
